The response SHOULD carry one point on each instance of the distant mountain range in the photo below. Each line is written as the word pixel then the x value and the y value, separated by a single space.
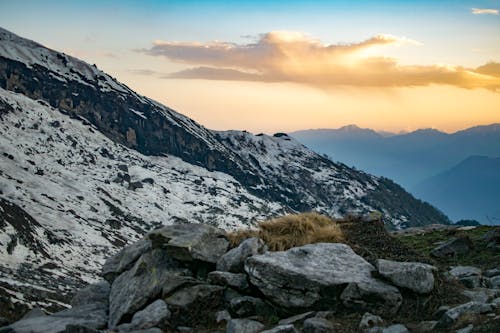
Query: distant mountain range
pixel 423 161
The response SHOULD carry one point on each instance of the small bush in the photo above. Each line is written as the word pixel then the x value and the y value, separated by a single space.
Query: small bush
pixel 289 231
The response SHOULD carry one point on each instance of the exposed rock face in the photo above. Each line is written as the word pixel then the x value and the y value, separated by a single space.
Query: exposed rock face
pixel 234 259
pixel 309 276
pixel 417 277
pixel 189 242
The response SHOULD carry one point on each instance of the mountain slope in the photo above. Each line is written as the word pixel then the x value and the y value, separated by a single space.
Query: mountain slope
pixel 469 190
pixel 90 165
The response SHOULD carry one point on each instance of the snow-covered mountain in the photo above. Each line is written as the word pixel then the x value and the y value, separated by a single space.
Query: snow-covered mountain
pixel 87 165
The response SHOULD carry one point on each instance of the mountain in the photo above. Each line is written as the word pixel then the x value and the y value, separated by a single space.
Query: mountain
pixel 409 158
pixel 88 165
pixel 469 190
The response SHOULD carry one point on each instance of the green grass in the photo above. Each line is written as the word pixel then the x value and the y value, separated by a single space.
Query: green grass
pixel 479 255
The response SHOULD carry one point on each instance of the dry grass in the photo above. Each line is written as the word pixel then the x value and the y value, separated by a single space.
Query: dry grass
pixel 289 231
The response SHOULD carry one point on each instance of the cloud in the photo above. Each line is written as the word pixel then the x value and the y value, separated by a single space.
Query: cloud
pixel 295 57
pixel 481 11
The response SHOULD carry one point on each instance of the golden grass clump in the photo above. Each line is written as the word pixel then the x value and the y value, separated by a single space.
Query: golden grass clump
pixel 289 231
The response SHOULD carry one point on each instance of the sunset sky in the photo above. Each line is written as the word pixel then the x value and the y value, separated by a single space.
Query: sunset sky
pixel 268 66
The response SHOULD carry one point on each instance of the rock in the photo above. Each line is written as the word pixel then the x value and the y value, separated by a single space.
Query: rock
pixel 33 313
pixel 469 276
pixel 373 296
pixel 494 282
pixel 481 295
pixel 93 293
pixel 369 321
pixel 296 319
pixel 92 316
pixel 466 329
pixel 243 326
pixel 221 316
pixel 415 276
pixel 492 272
pixel 145 281
pixel 234 259
pixel 125 259
pixel 192 305
pixel 440 311
pixel 325 314
pixel 247 306
pixel 155 314
pixel 308 276
pixel 317 325
pixel 398 328
pixel 453 314
pixel 496 301
pixel 79 329
pixel 423 327
pixel 189 242
pixel 492 237
pixel 233 280
pixel 282 329
pixel 453 247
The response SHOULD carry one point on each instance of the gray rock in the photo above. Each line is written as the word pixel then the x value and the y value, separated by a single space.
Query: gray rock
pixel 145 281
pixel 155 314
pixel 247 306
pixel 492 272
pixel 317 325
pixel 125 259
pixel 494 282
pixel 222 315
pixel 234 259
pixel 415 276
pixel 466 329
pixel 33 313
pixel 92 316
pixel 398 328
pixel 373 296
pixel 184 329
pixel 459 272
pixel 472 281
pixel 453 247
pixel 369 321
pixel 93 293
pixel 79 329
pixel 496 301
pixel 310 275
pixel 233 280
pixel 453 314
pixel 195 304
pixel 189 242
pixel 296 319
pixel 481 295
pixel 243 326
pixel 282 329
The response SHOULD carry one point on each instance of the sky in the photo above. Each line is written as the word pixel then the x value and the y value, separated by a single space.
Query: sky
pixel 280 66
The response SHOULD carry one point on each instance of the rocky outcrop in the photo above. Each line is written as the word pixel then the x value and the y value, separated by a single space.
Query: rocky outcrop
pixel 234 259
pixel 417 277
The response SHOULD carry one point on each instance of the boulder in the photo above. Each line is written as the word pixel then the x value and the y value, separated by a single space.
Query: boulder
pixel 92 316
pixel 415 276
pixel 93 293
pixel 492 272
pixel 33 313
pixel 221 316
pixel 398 328
pixel 282 329
pixel 247 306
pixel 155 314
pixel 471 308
pixel 373 296
pixel 317 325
pixel 297 318
pixel 494 282
pixel 453 247
pixel 234 259
pixel 145 281
pixel 370 321
pixel 243 326
pixel 481 295
pixel 233 280
pixel 124 260
pixel 195 304
pixel 190 242
pixel 469 276
pixel 312 275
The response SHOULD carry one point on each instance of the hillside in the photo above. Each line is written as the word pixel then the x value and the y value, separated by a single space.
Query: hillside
pixel 89 166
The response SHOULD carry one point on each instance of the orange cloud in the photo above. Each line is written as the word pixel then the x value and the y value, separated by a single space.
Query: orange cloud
pixel 480 11
pixel 295 57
